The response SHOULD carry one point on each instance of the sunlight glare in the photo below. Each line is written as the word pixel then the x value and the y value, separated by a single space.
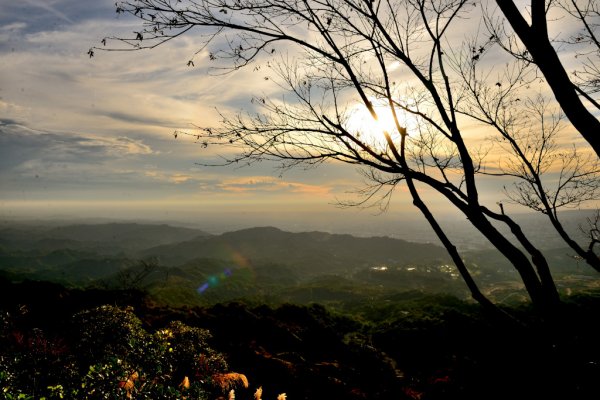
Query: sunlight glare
pixel 370 130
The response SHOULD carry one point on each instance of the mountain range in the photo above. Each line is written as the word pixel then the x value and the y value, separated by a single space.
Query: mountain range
pixel 189 266
pixel 309 251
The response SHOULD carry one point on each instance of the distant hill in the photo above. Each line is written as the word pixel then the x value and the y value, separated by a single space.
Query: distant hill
pixel 180 266
pixel 111 238
pixel 312 252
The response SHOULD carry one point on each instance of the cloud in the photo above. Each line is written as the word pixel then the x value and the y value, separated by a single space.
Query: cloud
pixel 180 178
pixel 57 87
pixel 48 7
pixel 40 15
pixel 270 184
pixel 175 178
pixel 14 27
pixel 138 119
pixel 20 144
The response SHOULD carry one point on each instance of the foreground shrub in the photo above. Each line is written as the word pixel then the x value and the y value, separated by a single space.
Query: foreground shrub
pixel 110 355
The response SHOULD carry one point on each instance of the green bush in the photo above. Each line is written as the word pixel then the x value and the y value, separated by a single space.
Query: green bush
pixel 110 355
pixel 169 363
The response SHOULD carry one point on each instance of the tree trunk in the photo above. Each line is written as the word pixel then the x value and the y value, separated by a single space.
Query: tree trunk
pixel 542 292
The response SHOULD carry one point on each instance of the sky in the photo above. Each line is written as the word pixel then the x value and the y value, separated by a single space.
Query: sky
pixel 93 137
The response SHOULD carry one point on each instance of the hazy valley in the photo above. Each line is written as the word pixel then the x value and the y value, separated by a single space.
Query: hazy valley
pixel 180 266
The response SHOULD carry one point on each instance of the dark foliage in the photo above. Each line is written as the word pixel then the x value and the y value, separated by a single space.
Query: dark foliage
pixel 414 346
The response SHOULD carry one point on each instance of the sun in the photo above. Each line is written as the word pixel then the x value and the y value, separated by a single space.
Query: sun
pixel 369 130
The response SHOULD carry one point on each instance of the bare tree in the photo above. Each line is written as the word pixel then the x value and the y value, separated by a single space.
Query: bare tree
pixel 332 56
pixel 535 44
pixel 134 277
pixel 586 41
pixel 592 231
pixel 549 177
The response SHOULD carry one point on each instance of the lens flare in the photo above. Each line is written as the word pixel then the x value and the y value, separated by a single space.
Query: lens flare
pixel 214 280
pixel 238 261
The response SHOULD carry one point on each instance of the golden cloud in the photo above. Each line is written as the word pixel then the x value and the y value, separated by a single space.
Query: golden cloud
pixel 252 184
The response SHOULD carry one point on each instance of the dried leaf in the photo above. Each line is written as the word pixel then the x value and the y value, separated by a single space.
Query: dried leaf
pixel 185 384
pixel 230 380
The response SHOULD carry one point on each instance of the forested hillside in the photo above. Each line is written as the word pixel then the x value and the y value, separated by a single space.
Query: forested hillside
pixel 186 267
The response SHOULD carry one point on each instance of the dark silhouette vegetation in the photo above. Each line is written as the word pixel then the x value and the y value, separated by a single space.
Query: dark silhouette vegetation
pixel 68 342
